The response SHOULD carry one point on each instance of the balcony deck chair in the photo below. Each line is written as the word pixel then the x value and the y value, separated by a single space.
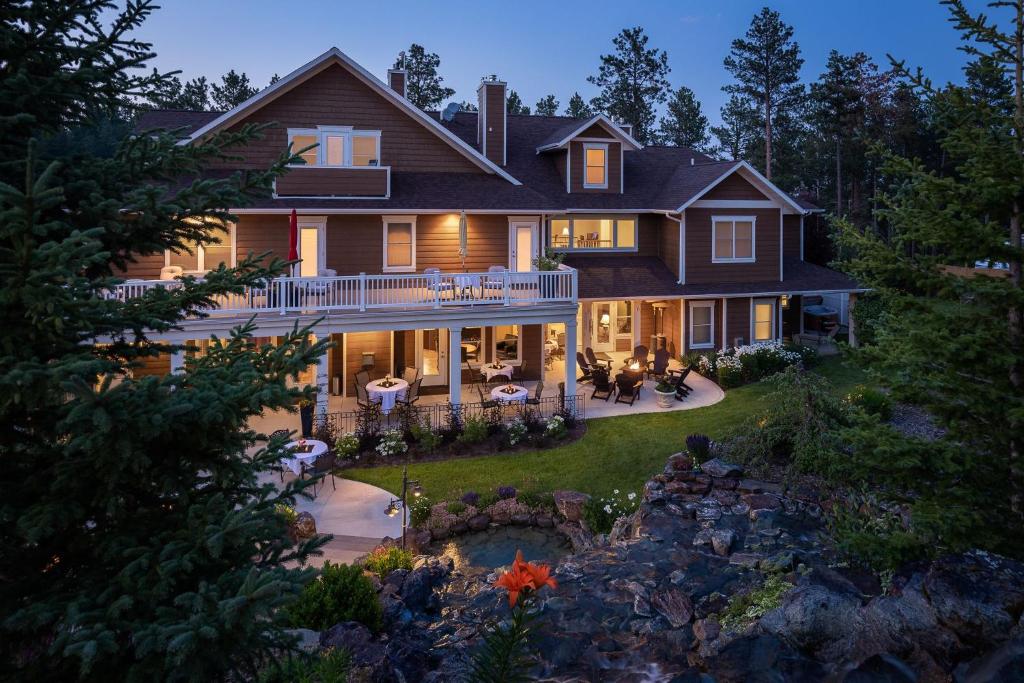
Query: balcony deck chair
pixel 603 386
pixel 628 387
pixel 594 362
pixel 588 370
pixel 495 281
pixel 537 391
pixel 485 402
pixel 434 282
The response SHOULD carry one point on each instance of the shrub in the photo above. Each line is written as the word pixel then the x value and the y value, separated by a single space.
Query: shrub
pixel 537 501
pixel 470 498
pixel 425 436
pixel 383 561
pixel 341 593
pixel 729 371
pixel 474 430
pixel 324 430
pixel 456 508
pixel 555 428
pixel 487 500
pixel 746 608
pixel 872 401
pixel 287 513
pixel 327 666
pixel 391 444
pixel 505 492
pixel 419 511
pixel 600 514
pixel 699 446
pixel 515 431
pixel 347 447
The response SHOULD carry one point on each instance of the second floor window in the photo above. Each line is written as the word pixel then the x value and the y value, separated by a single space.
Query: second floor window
pixel 336 146
pixel 733 239
pixel 595 165
pixel 204 257
pixel 568 234
pixel 399 244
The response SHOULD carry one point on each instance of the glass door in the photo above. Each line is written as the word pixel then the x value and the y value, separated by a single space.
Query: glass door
pixel 432 356
pixel 522 246
pixel 604 326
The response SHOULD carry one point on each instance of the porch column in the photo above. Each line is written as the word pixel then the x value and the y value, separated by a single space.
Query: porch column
pixel 570 358
pixel 177 361
pixel 323 386
pixel 850 327
pixel 455 365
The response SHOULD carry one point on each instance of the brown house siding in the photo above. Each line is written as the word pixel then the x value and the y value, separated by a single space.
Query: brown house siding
pixel 259 234
pixel 558 159
pixel 669 244
pixel 143 268
pixel 734 187
pixel 495 103
pixel 533 350
pixel 738 321
pixel 596 131
pixel 648 241
pixel 673 342
pixel 614 168
pixel 379 342
pixel 700 269
pixel 791 236
pixel 334 97
pixel 333 182
pixel 153 366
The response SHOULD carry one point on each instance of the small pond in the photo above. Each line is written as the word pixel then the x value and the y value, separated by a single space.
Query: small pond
pixel 483 551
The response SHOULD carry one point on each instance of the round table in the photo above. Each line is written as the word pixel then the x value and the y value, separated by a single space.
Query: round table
pixel 498 394
pixel 298 462
pixel 489 371
pixel 387 395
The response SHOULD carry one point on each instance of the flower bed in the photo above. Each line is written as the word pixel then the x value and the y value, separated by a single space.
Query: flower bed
pixel 749 363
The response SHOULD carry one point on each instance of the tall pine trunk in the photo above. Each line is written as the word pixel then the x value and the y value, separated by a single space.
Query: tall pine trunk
pixel 768 137
pixel 1016 324
pixel 839 178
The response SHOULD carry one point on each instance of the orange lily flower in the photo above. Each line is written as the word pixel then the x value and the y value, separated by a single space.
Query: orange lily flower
pixel 515 581
pixel 541 574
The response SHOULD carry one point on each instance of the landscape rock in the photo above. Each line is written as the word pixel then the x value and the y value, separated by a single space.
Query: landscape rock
pixel 722 540
pixel 369 661
pixel 881 668
pixel 570 504
pixel 717 467
pixel 479 522
pixel 673 604
pixel 304 526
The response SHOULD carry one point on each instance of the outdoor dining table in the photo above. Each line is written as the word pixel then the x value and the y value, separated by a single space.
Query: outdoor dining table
pixel 305 452
pixel 509 393
pixel 491 370
pixel 387 395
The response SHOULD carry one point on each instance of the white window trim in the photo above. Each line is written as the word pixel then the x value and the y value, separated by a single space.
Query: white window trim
pixel 320 223
pixel 701 304
pixel 519 344
pixel 201 255
pixel 387 220
pixel 773 322
pixel 595 145
pixel 597 250
pixel 715 220
pixel 347 132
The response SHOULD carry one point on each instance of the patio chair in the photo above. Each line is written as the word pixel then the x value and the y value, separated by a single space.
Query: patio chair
pixel 410 375
pixel 677 379
pixel 594 362
pixel 282 434
pixel 412 394
pixel 324 465
pixel 603 386
pixel 495 281
pixel 434 283
pixel 628 387
pixel 587 369
pixel 519 372
pixel 362 378
pixel 640 354
pixel 659 366
pixel 485 402
pixel 537 391
pixel 363 399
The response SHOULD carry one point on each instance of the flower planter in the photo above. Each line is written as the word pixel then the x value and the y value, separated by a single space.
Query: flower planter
pixel 666 399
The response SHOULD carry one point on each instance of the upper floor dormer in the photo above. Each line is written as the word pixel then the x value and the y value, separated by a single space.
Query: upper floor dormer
pixel 589 155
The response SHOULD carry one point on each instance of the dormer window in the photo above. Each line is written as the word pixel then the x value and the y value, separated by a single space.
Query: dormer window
pixel 336 146
pixel 595 165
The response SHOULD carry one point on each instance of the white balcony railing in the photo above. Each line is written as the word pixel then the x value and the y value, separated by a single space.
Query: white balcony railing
pixel 372 292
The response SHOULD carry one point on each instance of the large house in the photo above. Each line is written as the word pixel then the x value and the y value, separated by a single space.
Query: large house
pixel 419 235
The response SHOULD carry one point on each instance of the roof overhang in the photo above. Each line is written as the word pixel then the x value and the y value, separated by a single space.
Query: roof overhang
pixel 757 180
pixel 627 140
pixel 336 56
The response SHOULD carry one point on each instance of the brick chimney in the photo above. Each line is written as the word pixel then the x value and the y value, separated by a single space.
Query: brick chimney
pixel 491 122
pixel 396 79
pixel 627 128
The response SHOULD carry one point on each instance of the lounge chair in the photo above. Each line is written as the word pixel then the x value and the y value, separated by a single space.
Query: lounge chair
pixel 587 369
pixel 677 379
pixel 594 362
pixel 603 386
pixel 659 366
pixel 628 387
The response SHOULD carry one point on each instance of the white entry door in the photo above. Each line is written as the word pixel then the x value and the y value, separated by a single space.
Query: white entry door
pixel 432 356
pixel 603 319
pixel 523 245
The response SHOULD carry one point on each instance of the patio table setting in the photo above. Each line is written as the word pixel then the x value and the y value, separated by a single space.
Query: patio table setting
pixel 305 452
pixel 510 393
pixel 492 370
pixel 387 391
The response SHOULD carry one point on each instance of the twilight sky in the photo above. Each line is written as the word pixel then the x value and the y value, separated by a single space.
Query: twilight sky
pixel 538 47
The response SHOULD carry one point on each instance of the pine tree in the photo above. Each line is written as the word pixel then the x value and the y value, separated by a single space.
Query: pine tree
pixel 685 125
pixel 193 95
pixel 578 107
pixel 632 82
pixel 546 106
pixel 137 542
pixel 514 104
pixel 954 343
pixel 467 106
pixel 739 125
pixel 234 88
pixel 423 85
pixel 766 65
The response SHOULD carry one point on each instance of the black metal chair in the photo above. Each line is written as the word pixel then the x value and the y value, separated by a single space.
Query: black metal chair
pixel 324 465
pixel 603 386
pixel 362 378
pixel 679 380
pixel 537 391
pixel 410 375
pixel 362 396
pixel 628 387
pixel 485 402
pixel 412 394
pixel 561 396
pixel 586 367
pixel 594 362
pixel 519 372
pixel 659 366
pixel 280 434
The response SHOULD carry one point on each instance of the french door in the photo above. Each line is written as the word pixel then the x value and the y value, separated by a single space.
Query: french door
pixel 523 245
pixel 604 326
pixel 432 356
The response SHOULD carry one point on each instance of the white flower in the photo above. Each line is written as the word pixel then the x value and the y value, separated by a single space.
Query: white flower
pixel 616 492
pixel 631 495
pixel 608 509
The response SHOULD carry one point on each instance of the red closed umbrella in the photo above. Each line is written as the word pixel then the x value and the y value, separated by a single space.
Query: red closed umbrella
pixel 293 237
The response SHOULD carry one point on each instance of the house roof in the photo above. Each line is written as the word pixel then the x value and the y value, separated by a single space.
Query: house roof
pixel 182 121
pixel 609 277
pixel 561 137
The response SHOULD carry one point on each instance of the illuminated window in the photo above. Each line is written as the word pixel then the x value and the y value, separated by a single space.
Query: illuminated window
pixel 764 320
pixel 570 234
pixel 365 150
pixel 506 343
pixel 702 328
pixel 624 318
pixel 336 146
pixel 202 258
pixel 595 165
pixel 399 243
pixel 299 142
pixel 733 239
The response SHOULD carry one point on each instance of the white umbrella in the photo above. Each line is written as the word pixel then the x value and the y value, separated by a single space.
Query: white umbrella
pixel 463 238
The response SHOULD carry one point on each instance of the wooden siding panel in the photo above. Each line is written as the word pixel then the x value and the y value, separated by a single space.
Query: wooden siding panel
pixel 143 268
pixel 738 321
pixel 791 236
pixel 668 247
pixel 496 114
pixel 734 187
pixel 334 97
pixel 596 131
pixel 614 168
pixel 533 350
pixel 153 366
pixel 700 269
pixel 334 182
pixel 648 235
pixel 379 342
pixel 258 234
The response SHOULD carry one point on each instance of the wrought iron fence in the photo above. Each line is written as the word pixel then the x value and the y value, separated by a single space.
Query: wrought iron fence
pixel 441 415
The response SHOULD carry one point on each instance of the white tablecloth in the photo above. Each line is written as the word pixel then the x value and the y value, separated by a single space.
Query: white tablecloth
pixel 489 371
pixel 300 460
pixel 387 395
pixel 498 394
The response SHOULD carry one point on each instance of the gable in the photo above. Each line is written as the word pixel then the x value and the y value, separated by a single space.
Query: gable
pixel 735 186
pixel 596 131
pixel 335 97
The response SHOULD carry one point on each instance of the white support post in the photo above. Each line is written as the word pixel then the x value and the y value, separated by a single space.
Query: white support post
pixel 636 311
pixel 177 361
pixel 725 324
pixel 570 359
pixel 455 365
pixel 323 386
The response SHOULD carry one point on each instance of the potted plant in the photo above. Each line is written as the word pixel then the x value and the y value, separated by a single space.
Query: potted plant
pixel 306 417
pixel 666 393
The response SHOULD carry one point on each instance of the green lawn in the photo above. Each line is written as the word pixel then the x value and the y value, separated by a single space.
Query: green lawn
pixel 616 452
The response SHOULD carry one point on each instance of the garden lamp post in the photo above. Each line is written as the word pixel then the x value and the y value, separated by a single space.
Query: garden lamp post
pixel 397 504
